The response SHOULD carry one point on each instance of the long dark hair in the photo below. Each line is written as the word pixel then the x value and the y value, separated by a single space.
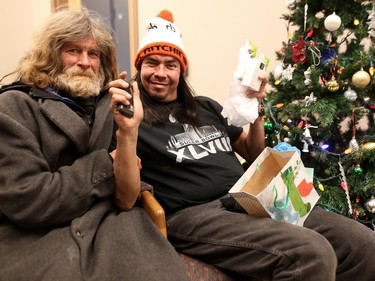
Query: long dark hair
pixel 184 109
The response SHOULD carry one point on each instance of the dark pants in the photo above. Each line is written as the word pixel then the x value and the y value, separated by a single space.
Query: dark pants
pixel 328 247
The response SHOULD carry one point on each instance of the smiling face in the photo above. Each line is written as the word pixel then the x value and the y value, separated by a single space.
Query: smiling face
pixel 81 76
pixel 160 77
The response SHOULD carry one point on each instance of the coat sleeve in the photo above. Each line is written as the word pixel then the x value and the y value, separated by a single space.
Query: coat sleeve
pixel 32 194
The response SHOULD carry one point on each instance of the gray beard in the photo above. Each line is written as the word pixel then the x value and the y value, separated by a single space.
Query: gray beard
pixel 79 83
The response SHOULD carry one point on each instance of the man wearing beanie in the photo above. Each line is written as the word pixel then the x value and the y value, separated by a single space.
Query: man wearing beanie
pixel 163 38
pixel 188 151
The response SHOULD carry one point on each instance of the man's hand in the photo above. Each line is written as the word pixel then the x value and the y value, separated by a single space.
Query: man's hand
pixel 121 96
pixel 261 94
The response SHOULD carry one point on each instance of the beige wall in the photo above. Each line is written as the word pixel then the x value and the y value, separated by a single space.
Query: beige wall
pixel 18 20
pixel 213 31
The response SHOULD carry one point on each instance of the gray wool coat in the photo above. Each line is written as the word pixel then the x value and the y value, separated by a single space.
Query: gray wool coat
pixel 57 220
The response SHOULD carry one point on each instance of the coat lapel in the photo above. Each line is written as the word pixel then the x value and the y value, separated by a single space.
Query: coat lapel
pixel 76 129
pixel 103 124
pixel 71 124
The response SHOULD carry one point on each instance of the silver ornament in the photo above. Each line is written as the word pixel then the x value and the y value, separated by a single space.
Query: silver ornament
pixel 287 73
pixel 278 71
pixel 307 74
pixel 353 144
pixel 332 22
pixel 350 95
pixel 290 4
pixel 370 205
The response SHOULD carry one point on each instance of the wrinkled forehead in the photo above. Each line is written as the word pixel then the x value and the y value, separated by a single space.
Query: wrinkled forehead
pixel 87 43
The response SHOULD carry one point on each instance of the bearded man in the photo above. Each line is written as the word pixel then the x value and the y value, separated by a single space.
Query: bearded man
pixel 67 201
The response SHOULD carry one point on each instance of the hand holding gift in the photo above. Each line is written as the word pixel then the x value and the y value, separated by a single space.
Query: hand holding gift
pixel 238 108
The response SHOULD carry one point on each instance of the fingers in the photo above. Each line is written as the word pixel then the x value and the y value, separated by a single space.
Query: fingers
pixel 120 96
pixel 263 77
pixel 137 100
pixel 135 88
pixel 261 93
pixel 113 154
pixel 139 162
pixel 120 82
pixel 123 75
pixel 119 90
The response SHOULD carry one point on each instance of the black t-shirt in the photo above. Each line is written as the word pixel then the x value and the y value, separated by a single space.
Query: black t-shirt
pixel 188 165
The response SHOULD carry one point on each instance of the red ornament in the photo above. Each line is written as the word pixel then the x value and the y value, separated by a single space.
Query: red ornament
pixel 342 184
pixel 371 107
pixel 299 51
pixel 355 213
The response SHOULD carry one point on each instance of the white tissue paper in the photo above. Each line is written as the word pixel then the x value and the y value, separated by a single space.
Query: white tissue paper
pixel 238 108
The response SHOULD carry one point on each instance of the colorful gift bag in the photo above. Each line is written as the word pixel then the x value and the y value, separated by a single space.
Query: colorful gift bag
pixel 276 185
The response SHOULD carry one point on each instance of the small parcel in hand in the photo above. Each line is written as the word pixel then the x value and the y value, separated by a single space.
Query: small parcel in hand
pixel 276 185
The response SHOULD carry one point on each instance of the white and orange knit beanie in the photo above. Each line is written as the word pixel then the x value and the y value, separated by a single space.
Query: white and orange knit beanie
pixel 162 38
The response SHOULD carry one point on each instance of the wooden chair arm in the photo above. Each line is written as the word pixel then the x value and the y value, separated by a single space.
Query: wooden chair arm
pixel 154 210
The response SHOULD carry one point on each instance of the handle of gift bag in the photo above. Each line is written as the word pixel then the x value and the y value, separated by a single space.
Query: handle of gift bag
pixel 287 194
pixel 275 199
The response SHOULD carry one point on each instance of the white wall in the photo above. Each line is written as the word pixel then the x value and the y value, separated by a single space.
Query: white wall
pixel 213 31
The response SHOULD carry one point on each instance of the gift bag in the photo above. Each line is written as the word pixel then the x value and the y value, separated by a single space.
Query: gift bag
pixel 276 185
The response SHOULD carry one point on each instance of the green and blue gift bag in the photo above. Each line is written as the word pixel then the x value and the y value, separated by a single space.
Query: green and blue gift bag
pixel 276 185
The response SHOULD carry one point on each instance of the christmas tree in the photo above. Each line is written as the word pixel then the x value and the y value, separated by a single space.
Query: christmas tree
pixel 322 100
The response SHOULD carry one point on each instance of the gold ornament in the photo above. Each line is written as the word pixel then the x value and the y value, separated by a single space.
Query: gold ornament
pixel 332 84
pixel 361 79
pixel 371 70
pixel 368 146
pixel 319 15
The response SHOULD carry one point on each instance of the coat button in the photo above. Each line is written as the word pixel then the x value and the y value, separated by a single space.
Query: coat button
pixel 79 234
